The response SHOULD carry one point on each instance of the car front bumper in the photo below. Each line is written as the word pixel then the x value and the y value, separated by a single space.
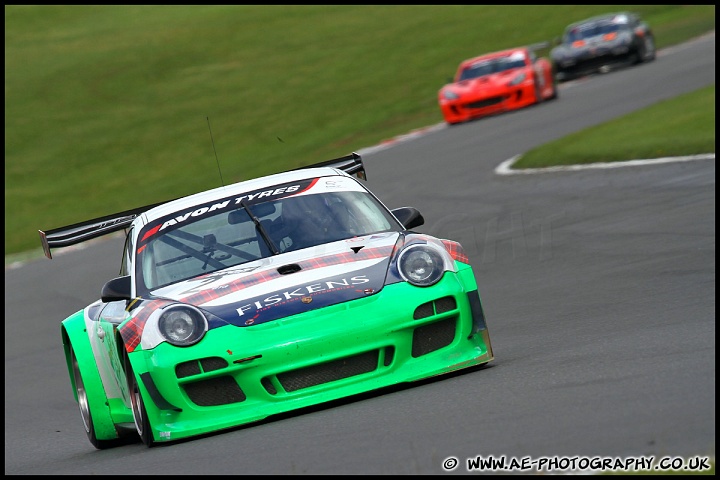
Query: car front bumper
pixel 237 375
pixel 490 102
pixel 591 60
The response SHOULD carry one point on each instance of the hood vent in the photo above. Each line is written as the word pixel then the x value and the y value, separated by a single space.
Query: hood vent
pixel 288 269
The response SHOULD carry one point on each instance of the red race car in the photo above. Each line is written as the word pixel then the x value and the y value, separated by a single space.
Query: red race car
pixel 497 82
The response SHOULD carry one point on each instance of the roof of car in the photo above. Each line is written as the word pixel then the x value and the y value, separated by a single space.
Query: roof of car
pixel 501 53
pixel 238 188
pixel 603 17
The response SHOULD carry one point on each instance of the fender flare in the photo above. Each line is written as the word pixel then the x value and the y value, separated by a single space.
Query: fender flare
pixel 74 335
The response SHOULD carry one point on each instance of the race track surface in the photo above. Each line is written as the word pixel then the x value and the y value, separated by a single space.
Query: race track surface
pixel 598 288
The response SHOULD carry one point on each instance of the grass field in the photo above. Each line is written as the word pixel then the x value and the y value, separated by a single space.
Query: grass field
pixel 680 126
pixel 110 107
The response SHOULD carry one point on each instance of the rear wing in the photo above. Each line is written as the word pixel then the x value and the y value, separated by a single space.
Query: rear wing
pixel 97 227
pixel 89 229
pixel 539 46
pixel 351 164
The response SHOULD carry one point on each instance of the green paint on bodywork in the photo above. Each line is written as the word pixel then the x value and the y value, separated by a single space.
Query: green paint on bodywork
pixel 255 356
pixel 234 374
pixel 73 333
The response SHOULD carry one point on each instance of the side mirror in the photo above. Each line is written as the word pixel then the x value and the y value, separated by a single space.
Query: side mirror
pixel 116 289
pixel 410 217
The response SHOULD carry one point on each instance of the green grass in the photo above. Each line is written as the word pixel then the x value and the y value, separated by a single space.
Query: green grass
pixel 680 126
pixel 107 107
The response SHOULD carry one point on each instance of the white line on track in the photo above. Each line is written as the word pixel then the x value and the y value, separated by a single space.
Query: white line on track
pixel 505 168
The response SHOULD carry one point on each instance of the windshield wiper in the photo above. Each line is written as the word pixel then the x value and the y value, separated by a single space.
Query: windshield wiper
pixel 260 228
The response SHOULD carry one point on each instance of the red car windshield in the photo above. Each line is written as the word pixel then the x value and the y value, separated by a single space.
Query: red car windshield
pixel 492 66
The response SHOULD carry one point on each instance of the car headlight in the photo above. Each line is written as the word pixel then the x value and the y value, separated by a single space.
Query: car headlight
pixel 182 325
pixel 421 265
pixel 450 95
pixel 519 79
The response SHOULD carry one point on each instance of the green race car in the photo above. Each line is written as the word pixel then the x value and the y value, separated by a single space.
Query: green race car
pixel 263 297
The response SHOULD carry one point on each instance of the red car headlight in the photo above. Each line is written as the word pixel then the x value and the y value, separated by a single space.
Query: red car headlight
pixel 517 80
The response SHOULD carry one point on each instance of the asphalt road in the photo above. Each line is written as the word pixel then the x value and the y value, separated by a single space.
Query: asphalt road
pixel 598 287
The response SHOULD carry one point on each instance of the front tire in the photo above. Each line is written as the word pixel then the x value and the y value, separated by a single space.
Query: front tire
pixel 650 50
pixel 559 74
pixel 554 94
pixel 140 416
pixel 538 92
pixel 645 51
pixel 84 405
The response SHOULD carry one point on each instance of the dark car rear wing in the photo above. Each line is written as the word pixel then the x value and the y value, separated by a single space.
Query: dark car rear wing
pixel 351 164
pixel 97 227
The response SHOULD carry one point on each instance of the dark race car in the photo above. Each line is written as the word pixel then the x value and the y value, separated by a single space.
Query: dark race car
pixel 600 43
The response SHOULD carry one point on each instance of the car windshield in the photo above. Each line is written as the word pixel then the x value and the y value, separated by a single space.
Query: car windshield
pixel 212 242
pixel 589 30
pixel 491 66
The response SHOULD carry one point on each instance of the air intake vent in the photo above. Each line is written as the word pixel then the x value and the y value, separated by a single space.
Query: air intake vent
pixel 434 336
pixel 215 391
pixel 441 305
pixel 288 269
pixel 329 371
pixel 196 367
